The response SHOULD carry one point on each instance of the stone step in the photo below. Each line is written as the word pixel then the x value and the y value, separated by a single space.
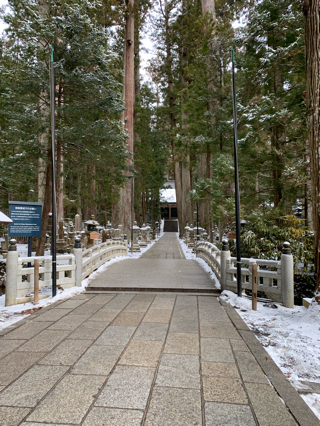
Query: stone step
pixel 212 292
pixel 170 226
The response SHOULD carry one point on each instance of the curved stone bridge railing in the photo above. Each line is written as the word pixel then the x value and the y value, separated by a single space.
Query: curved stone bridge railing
pixel 274 277
pixel 71 269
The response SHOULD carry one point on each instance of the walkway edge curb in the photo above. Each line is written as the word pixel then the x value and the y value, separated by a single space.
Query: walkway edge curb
pixel 298 408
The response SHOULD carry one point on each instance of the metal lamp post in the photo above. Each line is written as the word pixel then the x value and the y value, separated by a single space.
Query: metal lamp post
pixel 236 176
pixel 53 162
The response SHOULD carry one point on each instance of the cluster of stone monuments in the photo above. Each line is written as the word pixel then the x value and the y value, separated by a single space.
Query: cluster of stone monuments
pixel 91 233
pixel 191 236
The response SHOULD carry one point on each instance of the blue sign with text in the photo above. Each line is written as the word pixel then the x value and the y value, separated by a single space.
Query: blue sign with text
pixel 26 219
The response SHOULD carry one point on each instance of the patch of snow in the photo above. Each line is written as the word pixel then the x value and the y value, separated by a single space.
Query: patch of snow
pixel 290 336
pixel 168 195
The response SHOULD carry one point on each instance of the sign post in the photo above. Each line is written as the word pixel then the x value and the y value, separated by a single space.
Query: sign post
pixel 26 219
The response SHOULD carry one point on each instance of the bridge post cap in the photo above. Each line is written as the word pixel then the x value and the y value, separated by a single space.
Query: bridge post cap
pixel 77 242
pixel 286 248
pixel 225 245
pixel 12 246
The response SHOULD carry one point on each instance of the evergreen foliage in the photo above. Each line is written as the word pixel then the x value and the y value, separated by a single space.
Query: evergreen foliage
pixel 88 99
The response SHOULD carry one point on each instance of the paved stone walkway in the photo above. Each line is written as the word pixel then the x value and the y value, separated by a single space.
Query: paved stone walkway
pixel 133 359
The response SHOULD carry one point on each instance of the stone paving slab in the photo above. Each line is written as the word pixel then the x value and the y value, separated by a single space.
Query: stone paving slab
pixel 182 343
pixel 32 386
pixel 67 353
pixel 12 416
pixel 170 406
pixel 127 387
pixel 69 401
pixel 221 414
pixel 8 346
pixel 142 352
pixel 88 330
pixel 112 417
pixel 267 406
pixel 151 331
pixel 44 341
pixel 27 331
pixel 53 314
pixel 15 364
pixel 179 371
pixel 98 360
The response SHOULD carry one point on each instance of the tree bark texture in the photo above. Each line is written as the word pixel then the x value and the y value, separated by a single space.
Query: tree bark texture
pixel 186 205
pixel 46 207
pixel 311 10
pixel 122 212
pixel 204 169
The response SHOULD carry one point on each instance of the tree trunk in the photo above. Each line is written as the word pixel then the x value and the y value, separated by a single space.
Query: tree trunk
pixel 122 212
pixel 60 182
pixel 204 169
pixel 46 207
pixel 311 10
pixel 187 213
pixel 176 163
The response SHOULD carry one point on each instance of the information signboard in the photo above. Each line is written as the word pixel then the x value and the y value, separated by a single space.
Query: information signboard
pixel 26 219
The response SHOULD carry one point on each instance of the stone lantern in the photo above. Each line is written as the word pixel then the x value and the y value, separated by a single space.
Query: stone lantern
pixel 143 242
pixel 191 240
pixel 90 227
pixel 149 233
pixel 135 233
pixel 187 233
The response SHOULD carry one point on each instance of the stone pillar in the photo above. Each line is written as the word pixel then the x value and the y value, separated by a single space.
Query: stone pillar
pixel 191 237
pixel 186 233
pixel 77 223
pixel 12 274
pixel 225 254
pixel 149 232
pixel 77 251
pixel 287 277
pixel 143 242
pixel 136 232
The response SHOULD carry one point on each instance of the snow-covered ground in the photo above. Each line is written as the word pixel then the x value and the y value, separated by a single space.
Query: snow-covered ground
pixel 290 336
pixel 11 314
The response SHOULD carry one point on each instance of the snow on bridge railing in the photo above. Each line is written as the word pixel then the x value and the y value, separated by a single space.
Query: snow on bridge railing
pixel 274 278
pixel 71 269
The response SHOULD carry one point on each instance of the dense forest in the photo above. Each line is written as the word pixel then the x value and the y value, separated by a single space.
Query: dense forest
pixel 113 126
